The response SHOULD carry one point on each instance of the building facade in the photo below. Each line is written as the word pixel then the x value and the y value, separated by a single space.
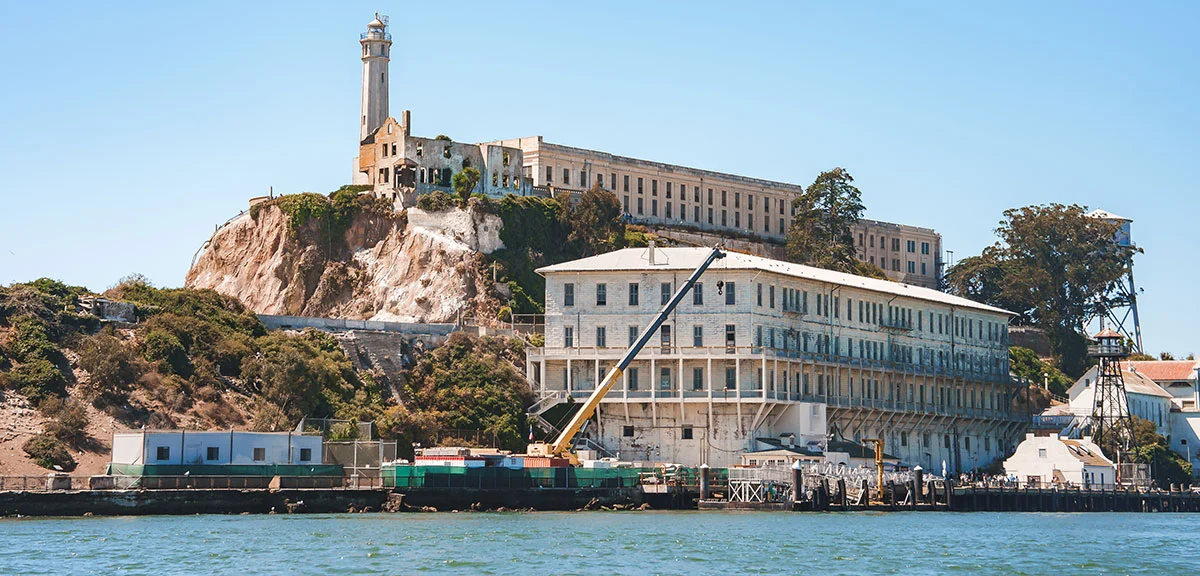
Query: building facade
pixel 1050 460
pixel 764 348
pixel 659 194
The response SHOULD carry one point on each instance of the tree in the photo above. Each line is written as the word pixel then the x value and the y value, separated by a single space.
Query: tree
pixel 1167 467
pixel 111 366
pixel 820 234
pixel 464 184
pixel 1053 266
pixel 596 224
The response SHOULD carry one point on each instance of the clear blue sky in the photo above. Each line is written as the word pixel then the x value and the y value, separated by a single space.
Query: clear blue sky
pixel 129 131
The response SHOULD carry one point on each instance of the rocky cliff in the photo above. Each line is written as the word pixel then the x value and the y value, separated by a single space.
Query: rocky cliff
pixel 373 264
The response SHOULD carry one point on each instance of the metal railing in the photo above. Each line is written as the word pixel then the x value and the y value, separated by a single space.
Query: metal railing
pixel 768 353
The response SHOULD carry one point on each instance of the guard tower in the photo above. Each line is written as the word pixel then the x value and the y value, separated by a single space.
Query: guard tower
pixel 376 53
pixel 1121 313
pixel 1112 427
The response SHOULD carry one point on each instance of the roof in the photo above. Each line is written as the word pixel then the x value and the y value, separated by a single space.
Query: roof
pixel 1106 215
pixel 1164 370
pixel 855 450
pixel 688 259
pixel 785 451
pixel 1107 333
pixel 1087 453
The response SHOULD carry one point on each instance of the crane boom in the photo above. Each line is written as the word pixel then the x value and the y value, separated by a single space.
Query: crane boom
pixel 561 446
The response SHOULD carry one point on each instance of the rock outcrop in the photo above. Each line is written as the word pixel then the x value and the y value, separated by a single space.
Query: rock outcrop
pixel 383 267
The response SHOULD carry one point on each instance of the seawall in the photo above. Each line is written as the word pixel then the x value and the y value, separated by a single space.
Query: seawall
pixel 187 501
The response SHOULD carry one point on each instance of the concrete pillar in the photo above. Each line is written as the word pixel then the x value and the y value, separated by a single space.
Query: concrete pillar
pixel 918 485
pixel 705 482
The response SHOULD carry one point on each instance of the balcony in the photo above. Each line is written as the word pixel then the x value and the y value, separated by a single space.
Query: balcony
pixel 1108 350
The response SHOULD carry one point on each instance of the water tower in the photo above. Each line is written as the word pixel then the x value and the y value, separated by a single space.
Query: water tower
pixel 1121 313
pixel 1112 426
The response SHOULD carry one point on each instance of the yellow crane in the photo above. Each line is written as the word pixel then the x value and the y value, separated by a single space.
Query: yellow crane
pixel 561 447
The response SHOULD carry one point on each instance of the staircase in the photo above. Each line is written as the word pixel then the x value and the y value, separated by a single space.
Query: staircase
pixel 550 399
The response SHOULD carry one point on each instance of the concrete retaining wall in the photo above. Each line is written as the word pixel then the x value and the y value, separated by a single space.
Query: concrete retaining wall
pixel 273 322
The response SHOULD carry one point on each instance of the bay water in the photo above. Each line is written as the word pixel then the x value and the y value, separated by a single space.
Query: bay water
pixel 606 543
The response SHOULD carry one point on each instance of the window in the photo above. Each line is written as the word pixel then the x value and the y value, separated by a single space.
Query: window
pixel 625 182
pixel 162 453
pixel 710 215
pixel 871 241
pixel 633 293
pixel 602 294
pixel 904 438
pixel 696 213
pixel 654 207
pixel 654 187
pixel 730 378
pixel 664 378
pixel 724 198
pixel 698 294
pixel 759 294
pixel 260 454
pixel 601 337
pixel 1041 452
pixel 569 337
pixel 923 270
pixel 640 203
pixel 895 244
pixel 730 334
pixel 724 218
pixel 625 204
pixel 730 294
pixel 568 294
pixel 633 378
pixel 668 189
pixel 212 453
pixel 566 176
pixel 771 296
pixel 912 267
pixel 895 264
pixel 685 433
pixel 737 199
pixel 665 293
pixel 925 248
pixel 549 174
pixel 306 454
pixel 698 336
pixel 664 334
pixel 912 246
pixel 627 431
pixel 641 190
pixel 633 334
pixel 697 378
pixel 612 182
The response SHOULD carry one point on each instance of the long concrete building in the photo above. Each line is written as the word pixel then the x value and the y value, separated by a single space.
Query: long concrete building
pixel 768 349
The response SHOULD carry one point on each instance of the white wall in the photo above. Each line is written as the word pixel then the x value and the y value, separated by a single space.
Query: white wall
pixel 1027 461
pixel 191 448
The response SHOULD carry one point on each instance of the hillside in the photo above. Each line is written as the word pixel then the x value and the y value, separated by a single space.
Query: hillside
pixel 347 256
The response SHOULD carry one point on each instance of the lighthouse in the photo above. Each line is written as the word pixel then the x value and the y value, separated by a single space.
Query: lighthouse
pixel 376 51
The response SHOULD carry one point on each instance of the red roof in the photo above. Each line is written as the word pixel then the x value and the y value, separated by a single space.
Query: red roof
pixel 1107 333
pixel 1165 370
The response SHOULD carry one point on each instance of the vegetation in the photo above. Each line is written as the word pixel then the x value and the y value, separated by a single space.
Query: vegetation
pixel 468 383
pixel 1025 363
pixel 435 201
pixel 821 231
pixel 49 452
pixel 1166 466
pixel 323 220
pixel 464 183
pixel 1053 266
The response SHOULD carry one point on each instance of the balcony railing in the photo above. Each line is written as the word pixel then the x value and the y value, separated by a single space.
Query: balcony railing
pixel 758 354
pixel 1113 350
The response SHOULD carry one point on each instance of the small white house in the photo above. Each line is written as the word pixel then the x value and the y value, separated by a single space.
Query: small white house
pixel 183 447
pixel 1046 460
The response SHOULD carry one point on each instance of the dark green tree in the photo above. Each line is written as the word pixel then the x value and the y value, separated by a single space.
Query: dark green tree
pixel 595 223
pixel 1053 266
pixel 821 231
pixel 464 184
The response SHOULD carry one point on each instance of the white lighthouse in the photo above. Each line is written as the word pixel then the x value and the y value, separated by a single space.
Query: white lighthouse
pixel 376 50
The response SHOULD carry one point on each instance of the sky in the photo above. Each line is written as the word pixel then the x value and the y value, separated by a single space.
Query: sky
pixel 129 131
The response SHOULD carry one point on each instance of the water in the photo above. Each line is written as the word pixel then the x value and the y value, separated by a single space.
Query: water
pixel 606 543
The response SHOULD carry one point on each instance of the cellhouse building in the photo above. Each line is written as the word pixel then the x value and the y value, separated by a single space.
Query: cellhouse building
pixel 762 350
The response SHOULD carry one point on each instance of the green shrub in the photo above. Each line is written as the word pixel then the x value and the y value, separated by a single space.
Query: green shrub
pixel 436 201
pixel 112 366
pixel 37 380
pixel 49 452
pixel 31 340
pixel 164 348
pixel 68 420
pixel 300 208
pixel 504 314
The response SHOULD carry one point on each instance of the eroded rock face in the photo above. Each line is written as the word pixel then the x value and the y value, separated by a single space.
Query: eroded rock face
pixel 382 269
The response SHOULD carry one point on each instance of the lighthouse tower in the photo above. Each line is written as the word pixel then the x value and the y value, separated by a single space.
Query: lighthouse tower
pixel 376 50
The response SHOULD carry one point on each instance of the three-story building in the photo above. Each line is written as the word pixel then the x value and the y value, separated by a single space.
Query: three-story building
pixel 765 348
